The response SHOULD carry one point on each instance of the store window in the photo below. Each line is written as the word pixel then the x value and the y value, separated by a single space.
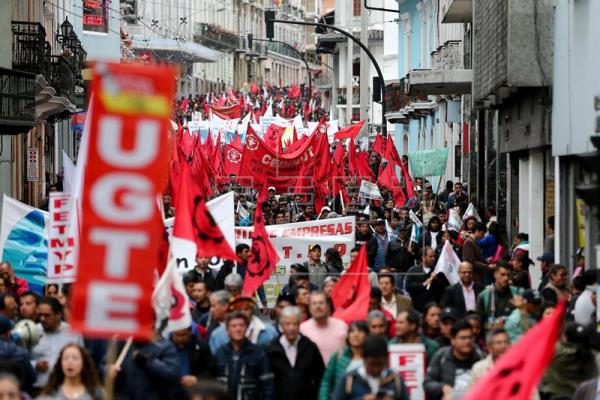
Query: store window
pixel 95 15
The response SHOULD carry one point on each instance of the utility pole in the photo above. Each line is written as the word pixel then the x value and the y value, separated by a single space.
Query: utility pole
pixel 365 99
pixel 349 63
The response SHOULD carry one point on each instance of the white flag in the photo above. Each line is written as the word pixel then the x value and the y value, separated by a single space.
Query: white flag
pixel 369 190
pixel 454 221
pixel 471 211
pixel 448 264
pixel 241 211
pixel 170 300
pixel 415 220
pixel 68 173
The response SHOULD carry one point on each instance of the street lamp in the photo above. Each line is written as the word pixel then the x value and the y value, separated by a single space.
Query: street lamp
pixel 66 29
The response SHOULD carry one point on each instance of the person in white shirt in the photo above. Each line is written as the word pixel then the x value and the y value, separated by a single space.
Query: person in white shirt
pixel 462 296
pixel 295 360
pixel 55 334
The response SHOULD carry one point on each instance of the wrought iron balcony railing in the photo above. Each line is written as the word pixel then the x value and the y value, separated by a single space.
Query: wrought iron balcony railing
pixel 215 37
pixel 30 51
pixel 283 49
pixel 17 100
pixel 62 77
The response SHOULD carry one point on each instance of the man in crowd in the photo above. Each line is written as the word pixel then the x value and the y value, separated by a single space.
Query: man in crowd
pixel 259 332
pixel 203 273
pixel 462 296
pixel 28 305
pixel 399 256
pixel 14 358
pixel 200 295
pixel 408 332
pixel 234 283
pixel 450 369
pixel 378 324
pixel 494 303
pixel 546 262
pixel 375 304
pixel 243 366
pixel 524 316
pixel 373 380
pixel 458 198
pixel 418 278
pixel 295 360
pixel 390 301
pixel 219 304
pixel 9 306
pixel 13 283
pixel 55 335
pixel 377 246
pixel 317 269
pixel 472 252
pixel 328 333
pixel 363 232
pixel 195 359
pixel 498 342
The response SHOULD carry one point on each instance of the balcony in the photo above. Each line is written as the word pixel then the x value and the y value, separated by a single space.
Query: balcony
pixel 401 106
pixel 456 11
pixel 31 52
pixel 447 76
pixel 17 101
pixel 216 37
pixel 283 50
pixel 62 77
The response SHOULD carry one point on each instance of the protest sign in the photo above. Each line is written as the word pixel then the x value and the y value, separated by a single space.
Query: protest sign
pixel 454 221
pixel 409 361
pixel 369 190
pixel 448 264
pixel 121 227
pixel 61 246
pixel 428 162
pixel 24 241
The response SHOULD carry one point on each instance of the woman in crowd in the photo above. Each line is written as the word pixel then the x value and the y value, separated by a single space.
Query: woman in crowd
pixel 431 320
pixel 73 377
pixel 345 360
pixel 333 260
pixel 520 266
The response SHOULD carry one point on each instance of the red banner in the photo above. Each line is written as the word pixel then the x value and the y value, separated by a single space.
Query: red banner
pixel 282 170
pixel 121 224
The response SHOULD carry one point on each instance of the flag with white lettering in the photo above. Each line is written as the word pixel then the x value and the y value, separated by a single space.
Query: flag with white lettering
pixel 121 227
pixel 61 246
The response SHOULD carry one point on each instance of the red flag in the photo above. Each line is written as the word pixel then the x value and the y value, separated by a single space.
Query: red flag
pixel 408 182
pixel 391 153
pixel 233 159
pixel 228 112
pixel 254 89
pixel 263 256
pixel 237 142
pixel 517 372
pixel 207 234
pixel 379 145
pixel 293 91
pixel 388 177
pixel 121 226
pixel 351 294
pixel 349 132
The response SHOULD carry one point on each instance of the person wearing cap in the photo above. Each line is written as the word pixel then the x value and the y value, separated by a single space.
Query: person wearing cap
pixel 258 332
pixel 271 191
pixel 317 269
pixel 524 316
pixel 546 262
pixel 244 366
pixel 363 231
pixel 323 212
pixel 378 245
pixel 462 296
pixel 557 287
pixel 15 358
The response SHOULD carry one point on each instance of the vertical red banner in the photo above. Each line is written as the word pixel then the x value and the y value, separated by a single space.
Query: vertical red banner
pixel 121 225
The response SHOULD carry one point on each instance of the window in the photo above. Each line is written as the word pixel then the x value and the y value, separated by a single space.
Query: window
pixel 95 15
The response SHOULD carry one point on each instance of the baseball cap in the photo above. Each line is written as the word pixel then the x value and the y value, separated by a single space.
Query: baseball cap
pixel 6 325
pixel 379 221
pixel 312 247
pixel 417 188
pixel 532 296
pixel 271 188
pixel 546 257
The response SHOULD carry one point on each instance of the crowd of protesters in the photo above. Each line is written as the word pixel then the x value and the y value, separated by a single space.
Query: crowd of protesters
pixel 239 348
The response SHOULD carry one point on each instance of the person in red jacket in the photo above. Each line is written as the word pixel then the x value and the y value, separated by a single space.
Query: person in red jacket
pixel 14 284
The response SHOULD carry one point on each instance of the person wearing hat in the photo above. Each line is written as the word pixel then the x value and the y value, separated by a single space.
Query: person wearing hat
pixel 378 245
pixel 258 332
pixel 317 269
pixel 524 316
pixel 363 231
pixel 546 262
pixel 14 358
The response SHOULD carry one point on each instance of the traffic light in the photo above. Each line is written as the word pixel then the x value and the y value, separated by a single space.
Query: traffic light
pixel 590 190
pixel 250 37
pixel 376 89
pixel 270 25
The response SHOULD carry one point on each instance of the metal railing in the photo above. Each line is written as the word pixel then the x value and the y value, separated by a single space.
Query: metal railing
pixel 30 51
pixel 215 36
pixel 282 49
pixel 62 77
pixel 17 97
